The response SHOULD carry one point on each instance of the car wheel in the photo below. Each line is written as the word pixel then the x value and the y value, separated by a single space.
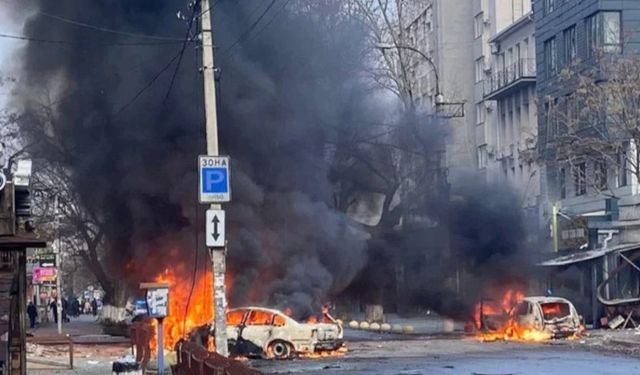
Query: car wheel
pixel 280 349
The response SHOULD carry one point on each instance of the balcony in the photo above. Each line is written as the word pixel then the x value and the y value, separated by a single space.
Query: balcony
pixel 514 77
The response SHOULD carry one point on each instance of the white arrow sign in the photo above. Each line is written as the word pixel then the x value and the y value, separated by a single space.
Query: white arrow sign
pixel 215 228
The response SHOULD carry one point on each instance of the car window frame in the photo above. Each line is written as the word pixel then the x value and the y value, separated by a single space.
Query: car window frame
pixel 243 319
pixel 249 311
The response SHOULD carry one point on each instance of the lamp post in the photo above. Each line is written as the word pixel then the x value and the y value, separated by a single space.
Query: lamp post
pixel 439 98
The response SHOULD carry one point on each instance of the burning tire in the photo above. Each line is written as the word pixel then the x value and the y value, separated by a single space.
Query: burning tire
pixel 280 349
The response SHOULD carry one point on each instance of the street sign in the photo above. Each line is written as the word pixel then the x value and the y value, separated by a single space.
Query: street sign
pixel 44 274
pixel 215 228
pixel 46 259
pixel 214 179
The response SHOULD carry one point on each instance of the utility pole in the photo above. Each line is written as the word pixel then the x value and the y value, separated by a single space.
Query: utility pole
pixel 217 255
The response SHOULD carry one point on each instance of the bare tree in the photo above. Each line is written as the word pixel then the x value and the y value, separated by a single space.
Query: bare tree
pixel 595 129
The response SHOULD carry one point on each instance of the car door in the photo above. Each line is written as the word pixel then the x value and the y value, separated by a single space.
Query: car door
pixel 258 327
pixel 525 315
pixel 235 319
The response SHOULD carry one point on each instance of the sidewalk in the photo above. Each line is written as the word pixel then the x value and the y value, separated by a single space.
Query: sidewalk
pixel 84 329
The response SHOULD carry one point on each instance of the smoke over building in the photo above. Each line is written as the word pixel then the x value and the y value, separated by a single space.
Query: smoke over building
pixel 124 116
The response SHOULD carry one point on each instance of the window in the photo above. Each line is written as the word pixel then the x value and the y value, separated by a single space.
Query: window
pixel 478 25
pixel 523 308
pixel 603 31
pixel 570 44
pixel 234 318
pixel 611 38
pixel 550 57
pixel 549 6
pixel 600 171
pixel 279 321
pixel 479 69
pixel 622 165
pixel 579 178
pixel 482 157
pixel 260 318
pixel 562 183
pixel 480 114
pixel 591 34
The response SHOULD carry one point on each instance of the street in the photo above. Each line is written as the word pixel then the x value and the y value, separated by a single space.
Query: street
pixel 378 355
pixel 375 353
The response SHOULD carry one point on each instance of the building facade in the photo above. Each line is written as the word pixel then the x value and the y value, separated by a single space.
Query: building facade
pixel 434 28
pixel 594 205
pixel 509 124
pixel 489 64
pixel 572 31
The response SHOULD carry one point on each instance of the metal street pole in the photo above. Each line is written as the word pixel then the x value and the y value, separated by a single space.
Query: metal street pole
pixel 217 255
pixel 58 268
pixel 554 226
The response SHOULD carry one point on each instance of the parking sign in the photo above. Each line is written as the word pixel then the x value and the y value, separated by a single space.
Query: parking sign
pixel 214 179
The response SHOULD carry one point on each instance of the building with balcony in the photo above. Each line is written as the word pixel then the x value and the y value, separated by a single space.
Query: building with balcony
pixel 509 153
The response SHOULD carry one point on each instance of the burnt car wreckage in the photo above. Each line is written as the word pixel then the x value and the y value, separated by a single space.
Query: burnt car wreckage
pixel 269 333
pixel 554 315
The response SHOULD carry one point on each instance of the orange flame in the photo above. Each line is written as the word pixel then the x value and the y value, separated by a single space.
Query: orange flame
pixel 182 318
pixel 509 329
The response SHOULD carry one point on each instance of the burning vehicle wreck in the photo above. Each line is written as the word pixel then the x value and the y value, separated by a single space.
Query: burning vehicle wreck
pixel 272 334
pixel 526 318
pixel 553 315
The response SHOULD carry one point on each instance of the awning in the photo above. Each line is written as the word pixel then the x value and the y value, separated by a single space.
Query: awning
pixel 19 242
pixel 588 255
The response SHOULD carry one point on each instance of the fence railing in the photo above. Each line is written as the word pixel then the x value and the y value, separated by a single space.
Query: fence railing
pixel 523 68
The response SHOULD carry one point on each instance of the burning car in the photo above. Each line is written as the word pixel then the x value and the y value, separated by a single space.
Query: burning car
pixel 553 315
pixel 257 331
pixel 517 317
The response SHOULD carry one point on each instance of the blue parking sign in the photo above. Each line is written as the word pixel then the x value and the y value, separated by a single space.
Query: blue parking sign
pixel 214 179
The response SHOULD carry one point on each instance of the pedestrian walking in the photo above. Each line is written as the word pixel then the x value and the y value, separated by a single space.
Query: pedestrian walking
pixel 65 310
pixel 94 307
pixel 32 311
pixel 53 306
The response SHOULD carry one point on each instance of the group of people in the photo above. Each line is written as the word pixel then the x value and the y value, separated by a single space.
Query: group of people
pixel 75 308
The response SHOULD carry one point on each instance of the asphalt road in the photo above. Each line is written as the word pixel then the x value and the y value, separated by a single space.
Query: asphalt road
pixel 375 353
pixel 380 354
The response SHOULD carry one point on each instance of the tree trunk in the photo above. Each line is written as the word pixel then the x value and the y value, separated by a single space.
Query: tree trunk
pixel 374 313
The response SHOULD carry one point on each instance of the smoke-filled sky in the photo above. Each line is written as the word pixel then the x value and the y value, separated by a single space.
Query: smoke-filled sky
pixel 131 136
pixel 129 125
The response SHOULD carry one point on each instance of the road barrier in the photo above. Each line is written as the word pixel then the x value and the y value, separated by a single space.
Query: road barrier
pixel 194 359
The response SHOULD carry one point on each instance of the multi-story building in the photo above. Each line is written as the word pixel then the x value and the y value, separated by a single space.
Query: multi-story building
pixel 507 149
pixel 506 115
pixel 488 63
pixel 435 28
pixel 598 223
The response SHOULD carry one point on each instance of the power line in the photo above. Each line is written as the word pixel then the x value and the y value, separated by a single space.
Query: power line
pixel 184 46
pixel 149 84
pixel 209 9
pixel 264 27
pixel 245 34
pixel 66 42
pixel 107 30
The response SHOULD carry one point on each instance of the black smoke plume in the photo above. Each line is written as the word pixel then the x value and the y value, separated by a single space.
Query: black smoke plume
pixel 124 115
pixel 130 132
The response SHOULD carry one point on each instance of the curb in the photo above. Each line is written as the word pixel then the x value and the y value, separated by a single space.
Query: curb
pixel 382 328
pixel 626 343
